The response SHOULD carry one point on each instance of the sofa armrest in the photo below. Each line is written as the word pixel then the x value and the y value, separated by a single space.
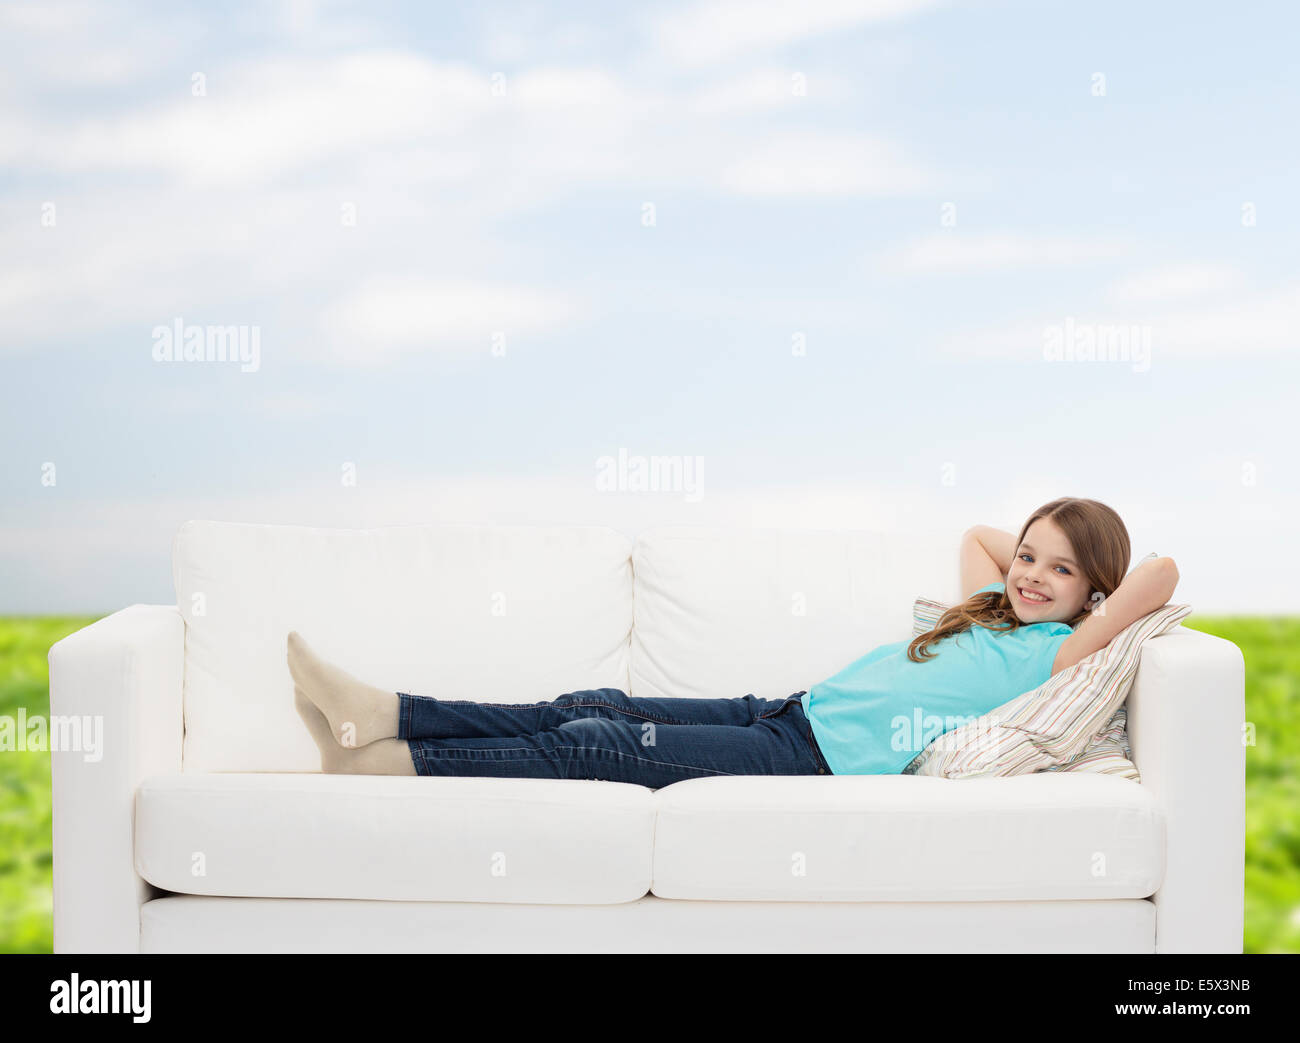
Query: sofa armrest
pixel 125 673
pixel 1185 716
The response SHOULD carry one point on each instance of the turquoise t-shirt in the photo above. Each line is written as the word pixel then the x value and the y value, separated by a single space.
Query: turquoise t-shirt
pixel 879 712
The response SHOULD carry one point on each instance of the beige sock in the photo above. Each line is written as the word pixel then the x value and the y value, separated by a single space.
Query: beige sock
pixel 385 757
pixel 357 713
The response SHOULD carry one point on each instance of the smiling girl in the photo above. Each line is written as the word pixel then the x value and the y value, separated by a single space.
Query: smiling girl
pixel 1040 602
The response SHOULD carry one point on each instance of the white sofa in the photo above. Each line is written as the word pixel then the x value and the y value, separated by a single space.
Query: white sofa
pixel 207 827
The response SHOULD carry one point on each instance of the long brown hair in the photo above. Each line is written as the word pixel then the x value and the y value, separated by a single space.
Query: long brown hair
pixel 1101 547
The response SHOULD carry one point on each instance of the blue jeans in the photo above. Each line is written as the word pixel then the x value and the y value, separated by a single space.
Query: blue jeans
pixel 601 733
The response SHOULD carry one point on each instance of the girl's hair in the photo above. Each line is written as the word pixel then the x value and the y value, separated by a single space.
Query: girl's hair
pixel 1101 547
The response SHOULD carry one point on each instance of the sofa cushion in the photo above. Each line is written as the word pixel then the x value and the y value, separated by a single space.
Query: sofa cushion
pixel 491 613
pixel 402 838
pixel 908 838
pixel 723 612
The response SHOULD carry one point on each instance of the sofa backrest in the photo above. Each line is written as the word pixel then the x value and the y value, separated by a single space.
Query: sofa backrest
pixel 724 612
pixel 526 613
pixel 490 613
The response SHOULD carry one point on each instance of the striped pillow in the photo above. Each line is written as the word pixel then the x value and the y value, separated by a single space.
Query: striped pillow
pixel 1109 752
pixel 1075 721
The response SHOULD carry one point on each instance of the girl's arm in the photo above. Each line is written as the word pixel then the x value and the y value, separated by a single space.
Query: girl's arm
pixel 986 555
pixel 1145 589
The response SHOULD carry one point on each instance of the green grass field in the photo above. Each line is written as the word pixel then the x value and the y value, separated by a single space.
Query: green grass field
pixel 1271 648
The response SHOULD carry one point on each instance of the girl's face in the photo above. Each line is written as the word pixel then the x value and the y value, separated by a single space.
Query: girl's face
pixel 1044 565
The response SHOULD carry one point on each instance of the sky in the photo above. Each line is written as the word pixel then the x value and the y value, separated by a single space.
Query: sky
pixel 902 265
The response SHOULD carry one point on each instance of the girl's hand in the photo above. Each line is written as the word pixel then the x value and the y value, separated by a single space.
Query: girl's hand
pixel 1145 589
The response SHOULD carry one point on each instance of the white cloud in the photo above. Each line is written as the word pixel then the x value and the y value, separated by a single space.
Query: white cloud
pixel 1256 324
pixel 389 315
pixel 299 16
pixel 955 252
pixel 130 255
pixel 46 16
pixel 528 38
pixel 767 89
pixel 78 45
pixel 1250 324
pixel 395 115
pixel 241 191
pixel 566 87
pixel 269 118
pixel 812 164
pixel 719 30
pixel 1181 280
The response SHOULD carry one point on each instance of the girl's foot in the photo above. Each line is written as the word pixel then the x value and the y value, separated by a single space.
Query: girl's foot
pixel 357 713
pixel 385 757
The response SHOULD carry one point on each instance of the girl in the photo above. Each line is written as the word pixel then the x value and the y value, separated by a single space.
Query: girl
pixel 1040 602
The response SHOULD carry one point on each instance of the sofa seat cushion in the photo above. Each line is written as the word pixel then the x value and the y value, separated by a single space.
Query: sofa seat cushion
pixel 908 838
pixel 399 838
